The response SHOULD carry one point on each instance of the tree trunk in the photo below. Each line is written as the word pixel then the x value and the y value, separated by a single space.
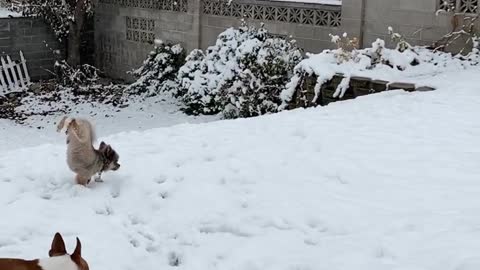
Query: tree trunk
pixel 75 31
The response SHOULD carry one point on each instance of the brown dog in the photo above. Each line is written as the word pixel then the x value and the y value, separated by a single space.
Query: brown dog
pixel 82 157
pixel 59 259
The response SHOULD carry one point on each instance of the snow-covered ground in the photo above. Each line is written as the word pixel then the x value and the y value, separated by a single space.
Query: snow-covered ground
pixel 387 181
pixel 107 119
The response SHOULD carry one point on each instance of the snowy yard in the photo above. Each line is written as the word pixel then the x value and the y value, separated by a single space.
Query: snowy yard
pixel 386 181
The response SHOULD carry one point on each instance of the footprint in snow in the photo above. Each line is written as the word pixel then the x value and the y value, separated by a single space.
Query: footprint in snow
pixel 160 179
pixel 115 188
pixel 174 259
pixel 105 211
pixel 134 243
pixel 163 195
pixel 209 159
pixel 179 179
pixel 46 196
pixel 135 220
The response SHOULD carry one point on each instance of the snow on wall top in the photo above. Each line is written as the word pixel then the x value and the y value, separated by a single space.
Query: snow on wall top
pixel 5 13
pixel 323 2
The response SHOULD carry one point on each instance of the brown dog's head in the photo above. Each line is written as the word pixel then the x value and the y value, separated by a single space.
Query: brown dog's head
pixel 58 250
pixel 110 157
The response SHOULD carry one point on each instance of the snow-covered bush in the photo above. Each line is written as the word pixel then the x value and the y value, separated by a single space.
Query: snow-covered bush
pixel 263 69
pixel 402 44
pixel 242 75
pixel 474 55
pixel 68 76
pixel 159 71
pixel 346 47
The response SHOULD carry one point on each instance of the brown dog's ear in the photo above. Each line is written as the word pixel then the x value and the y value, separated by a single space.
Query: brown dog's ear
pixel 77 253
pixel 58 246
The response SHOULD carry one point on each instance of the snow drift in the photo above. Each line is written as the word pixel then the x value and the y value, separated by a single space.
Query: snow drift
pixel 388 181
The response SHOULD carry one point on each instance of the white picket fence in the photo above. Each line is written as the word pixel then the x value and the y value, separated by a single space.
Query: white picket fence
pixel 13 75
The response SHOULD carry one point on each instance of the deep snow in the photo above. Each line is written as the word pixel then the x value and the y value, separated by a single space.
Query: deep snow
pixel 387 181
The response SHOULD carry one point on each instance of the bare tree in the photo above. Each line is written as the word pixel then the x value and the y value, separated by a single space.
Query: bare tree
pixel 67 19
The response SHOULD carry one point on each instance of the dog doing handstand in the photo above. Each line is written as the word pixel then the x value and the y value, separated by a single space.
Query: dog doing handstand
pixel 82 158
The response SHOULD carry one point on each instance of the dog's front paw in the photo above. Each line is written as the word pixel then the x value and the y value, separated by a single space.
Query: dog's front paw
pixel 98 179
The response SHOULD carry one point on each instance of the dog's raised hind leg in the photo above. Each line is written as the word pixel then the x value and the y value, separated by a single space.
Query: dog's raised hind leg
pixel 61 124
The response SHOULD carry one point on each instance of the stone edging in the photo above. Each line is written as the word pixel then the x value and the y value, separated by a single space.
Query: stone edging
pixel 358 86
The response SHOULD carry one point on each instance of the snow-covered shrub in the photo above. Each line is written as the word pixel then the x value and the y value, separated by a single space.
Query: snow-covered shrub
pixel 242 75
pixel 346 47
pixel 402 44
pixel 263 69
pixel 474 55
pixel 159 71
pixel 68 76
pixel 193 84
pixel 378 48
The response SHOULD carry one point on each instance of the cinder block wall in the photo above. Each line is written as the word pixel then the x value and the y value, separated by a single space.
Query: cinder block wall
pixel 415 19
pixel 34 39
pixel 309 24
pixel 125 29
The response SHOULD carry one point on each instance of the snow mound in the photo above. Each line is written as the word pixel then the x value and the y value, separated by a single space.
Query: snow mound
pixel 388 181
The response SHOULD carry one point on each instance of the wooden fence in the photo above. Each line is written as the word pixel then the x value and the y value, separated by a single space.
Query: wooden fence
pixel 13 75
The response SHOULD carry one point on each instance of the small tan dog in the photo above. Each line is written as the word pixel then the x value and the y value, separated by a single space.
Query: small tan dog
pixel 82 157
pixel 58 259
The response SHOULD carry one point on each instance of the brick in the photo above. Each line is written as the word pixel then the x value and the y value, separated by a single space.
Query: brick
pixel 4 25
pixel 24 23
pixel 5 42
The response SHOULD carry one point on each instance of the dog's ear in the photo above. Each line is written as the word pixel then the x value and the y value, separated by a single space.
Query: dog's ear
pixel 102 146
pixel 108 150
pixel 58 246
pixel 77 253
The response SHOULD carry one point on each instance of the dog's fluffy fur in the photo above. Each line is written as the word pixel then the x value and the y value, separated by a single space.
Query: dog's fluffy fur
pixel 82 157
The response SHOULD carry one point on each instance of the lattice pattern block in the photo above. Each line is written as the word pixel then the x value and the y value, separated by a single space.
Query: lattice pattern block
pixel 140 29
pixel 459 6
pixel 469 6
pixel 311 16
